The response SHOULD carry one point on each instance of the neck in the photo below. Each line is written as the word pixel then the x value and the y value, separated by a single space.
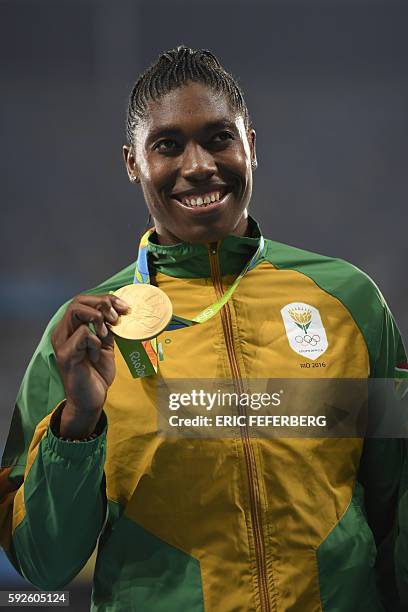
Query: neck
pixel 189 260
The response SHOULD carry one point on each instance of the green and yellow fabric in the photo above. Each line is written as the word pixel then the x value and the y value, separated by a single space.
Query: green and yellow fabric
pixel 174 515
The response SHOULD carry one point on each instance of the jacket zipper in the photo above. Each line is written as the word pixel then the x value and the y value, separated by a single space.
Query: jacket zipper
pixel 254 495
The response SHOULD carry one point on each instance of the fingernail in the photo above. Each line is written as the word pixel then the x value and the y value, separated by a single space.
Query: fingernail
pixel 104 330
pixel 113 314
pixel 122 303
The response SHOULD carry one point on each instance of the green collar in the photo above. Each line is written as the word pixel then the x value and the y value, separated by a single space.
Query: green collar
pixel 187 260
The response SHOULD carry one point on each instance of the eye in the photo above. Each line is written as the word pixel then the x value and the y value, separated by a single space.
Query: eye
pixel 223 136
pixel 165 145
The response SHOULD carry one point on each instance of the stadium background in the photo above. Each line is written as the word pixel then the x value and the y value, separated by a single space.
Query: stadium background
pixel 326 86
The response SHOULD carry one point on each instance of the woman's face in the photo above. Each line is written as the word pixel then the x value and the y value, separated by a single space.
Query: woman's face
pixel 191 149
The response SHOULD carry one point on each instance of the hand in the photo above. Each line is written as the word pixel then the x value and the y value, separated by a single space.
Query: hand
pixel 86 360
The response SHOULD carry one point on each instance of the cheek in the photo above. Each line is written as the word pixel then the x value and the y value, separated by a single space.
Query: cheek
pixel 240 160
pixel 157 176
pixel 242 169
pixel 149 167
pixel 149 175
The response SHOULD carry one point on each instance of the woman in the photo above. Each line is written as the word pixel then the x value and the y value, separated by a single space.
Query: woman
pixel 224 523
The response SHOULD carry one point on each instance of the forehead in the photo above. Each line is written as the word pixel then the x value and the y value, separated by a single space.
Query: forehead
pixel 191 106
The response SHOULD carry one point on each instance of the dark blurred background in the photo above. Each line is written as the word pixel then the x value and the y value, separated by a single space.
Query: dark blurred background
pixel 326 86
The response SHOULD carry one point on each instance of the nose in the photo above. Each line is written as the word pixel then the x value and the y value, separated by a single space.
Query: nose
pixel 197 163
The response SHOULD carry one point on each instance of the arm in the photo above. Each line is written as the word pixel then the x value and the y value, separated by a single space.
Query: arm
pixel 52 491
pixel 60 509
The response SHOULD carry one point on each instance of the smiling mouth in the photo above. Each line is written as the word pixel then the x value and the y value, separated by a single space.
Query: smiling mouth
pixel 205 200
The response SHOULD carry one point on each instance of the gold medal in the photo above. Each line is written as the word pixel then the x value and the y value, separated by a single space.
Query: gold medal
pixel 149 314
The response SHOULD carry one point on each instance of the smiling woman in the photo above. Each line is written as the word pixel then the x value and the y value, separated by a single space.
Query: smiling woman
pixel 222 522
pixel 191 148
pixel 202 159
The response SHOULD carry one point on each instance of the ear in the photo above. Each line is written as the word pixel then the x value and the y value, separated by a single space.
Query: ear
pixel 130 163
pixel 252 139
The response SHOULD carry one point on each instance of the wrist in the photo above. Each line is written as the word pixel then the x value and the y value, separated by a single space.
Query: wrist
pixel 75 425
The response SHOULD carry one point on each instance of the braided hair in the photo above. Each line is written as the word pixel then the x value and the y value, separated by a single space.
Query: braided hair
pixel 174 69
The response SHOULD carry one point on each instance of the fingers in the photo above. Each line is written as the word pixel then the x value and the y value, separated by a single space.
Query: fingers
pixel 94 346
pixel 75 348
pixel 86 309
pixel 107 341
pixel 81 342
pixel 86 359
pixel 104 301
pixel 81 314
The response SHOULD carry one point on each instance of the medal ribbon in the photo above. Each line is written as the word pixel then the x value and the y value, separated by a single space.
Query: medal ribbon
pixel 142 356
pixel 142 276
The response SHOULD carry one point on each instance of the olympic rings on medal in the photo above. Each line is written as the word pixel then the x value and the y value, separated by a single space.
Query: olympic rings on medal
pixel 312 340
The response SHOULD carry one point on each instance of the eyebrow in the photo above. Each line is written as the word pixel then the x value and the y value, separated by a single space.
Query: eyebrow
pixel 173 130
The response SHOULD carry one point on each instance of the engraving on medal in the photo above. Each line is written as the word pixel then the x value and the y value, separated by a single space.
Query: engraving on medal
pixel 150 312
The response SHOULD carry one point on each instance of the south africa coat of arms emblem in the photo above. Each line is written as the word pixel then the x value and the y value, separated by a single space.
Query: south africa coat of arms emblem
pixel 304 329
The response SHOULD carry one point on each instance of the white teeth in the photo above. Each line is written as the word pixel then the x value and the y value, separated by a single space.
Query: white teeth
pixel 201 200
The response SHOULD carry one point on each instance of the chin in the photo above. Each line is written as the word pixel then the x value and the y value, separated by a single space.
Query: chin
pixel 209 228
pixel 205 234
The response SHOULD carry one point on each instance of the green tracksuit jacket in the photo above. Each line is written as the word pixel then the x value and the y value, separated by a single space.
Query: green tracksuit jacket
pixel 222 524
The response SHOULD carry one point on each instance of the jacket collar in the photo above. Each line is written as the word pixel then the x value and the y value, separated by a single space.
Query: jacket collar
pixel 186 260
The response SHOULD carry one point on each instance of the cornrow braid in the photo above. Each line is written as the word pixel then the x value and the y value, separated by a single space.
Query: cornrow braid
pixel 175 68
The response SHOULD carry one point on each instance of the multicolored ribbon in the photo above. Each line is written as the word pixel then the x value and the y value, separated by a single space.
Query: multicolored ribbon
pixel 142 276
pixel 142 356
